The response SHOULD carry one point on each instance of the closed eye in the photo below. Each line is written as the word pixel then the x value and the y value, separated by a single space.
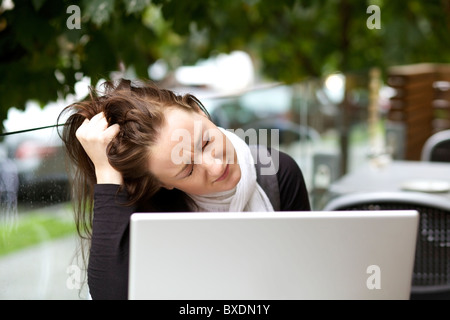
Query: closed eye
pixel 192 166
pixel 190 171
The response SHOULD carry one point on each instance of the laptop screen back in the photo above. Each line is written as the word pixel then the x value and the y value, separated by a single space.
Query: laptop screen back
pixel 278 255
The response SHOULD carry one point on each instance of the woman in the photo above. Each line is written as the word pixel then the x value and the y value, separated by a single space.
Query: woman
pixel 138 148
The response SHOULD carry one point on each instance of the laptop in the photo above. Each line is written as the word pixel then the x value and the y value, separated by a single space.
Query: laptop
pixel 272 255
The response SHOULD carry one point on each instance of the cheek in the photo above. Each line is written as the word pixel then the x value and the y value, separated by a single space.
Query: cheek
pixel 230 152
pixel 223 147
pixel 236 177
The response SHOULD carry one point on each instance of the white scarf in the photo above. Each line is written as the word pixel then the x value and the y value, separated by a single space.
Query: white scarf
pixel 247 195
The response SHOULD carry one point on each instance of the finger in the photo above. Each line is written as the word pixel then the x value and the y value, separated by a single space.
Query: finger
pixel 81 129
pixel 99 121
pixel 112 131
pixel 98 116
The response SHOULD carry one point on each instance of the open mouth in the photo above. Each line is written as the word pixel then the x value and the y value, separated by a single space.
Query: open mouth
pixel 225 173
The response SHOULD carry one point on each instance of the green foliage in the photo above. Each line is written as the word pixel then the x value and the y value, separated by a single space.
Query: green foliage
pixel 289 39
pixel 36 44
pixel 33 229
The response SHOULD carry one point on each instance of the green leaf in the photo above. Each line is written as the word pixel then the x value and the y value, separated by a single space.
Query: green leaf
pixel 134 6
pixel 37 4
pixel 98 11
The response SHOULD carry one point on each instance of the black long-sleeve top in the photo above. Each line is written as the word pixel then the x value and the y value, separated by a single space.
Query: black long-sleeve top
pixel 109 252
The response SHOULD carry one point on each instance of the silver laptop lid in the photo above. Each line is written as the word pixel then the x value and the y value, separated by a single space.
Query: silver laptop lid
pixel 278 255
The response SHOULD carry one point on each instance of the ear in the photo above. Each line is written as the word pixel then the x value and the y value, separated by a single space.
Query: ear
pixel 167 187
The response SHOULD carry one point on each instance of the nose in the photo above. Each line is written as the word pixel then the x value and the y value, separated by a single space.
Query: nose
pixel 213 165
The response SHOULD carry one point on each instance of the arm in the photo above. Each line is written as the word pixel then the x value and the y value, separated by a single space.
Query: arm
pixel 109 253
pixel 293 192
pixel 108 257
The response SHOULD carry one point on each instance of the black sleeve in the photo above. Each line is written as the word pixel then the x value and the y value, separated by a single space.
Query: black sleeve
pixel 109 252
pixel 293 192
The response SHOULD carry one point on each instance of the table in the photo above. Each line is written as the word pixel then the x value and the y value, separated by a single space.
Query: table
pixel 393 176
pixel 432 250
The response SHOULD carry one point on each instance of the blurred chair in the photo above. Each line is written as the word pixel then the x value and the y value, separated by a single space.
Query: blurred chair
pixel 431 275
pixel 437 147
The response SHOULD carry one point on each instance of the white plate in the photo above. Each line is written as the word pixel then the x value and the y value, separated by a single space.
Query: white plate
pixel 427 186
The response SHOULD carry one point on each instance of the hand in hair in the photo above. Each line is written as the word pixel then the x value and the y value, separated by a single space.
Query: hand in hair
pixel 95 135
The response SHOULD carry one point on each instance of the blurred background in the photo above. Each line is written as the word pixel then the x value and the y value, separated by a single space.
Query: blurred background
pixel 344 82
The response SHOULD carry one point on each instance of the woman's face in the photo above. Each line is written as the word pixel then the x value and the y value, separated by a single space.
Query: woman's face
pixel 193 155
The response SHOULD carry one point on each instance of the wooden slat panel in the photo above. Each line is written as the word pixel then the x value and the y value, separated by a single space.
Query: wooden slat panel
pixel 420 102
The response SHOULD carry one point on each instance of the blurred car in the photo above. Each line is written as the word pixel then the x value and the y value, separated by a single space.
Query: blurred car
pixel 9 183
pixel 264 109
pixel 40 162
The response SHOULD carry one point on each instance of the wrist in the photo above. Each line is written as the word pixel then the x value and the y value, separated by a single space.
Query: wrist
pixel 109 176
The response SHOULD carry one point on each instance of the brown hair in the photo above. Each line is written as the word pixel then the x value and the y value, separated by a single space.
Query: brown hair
pixel 138 108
